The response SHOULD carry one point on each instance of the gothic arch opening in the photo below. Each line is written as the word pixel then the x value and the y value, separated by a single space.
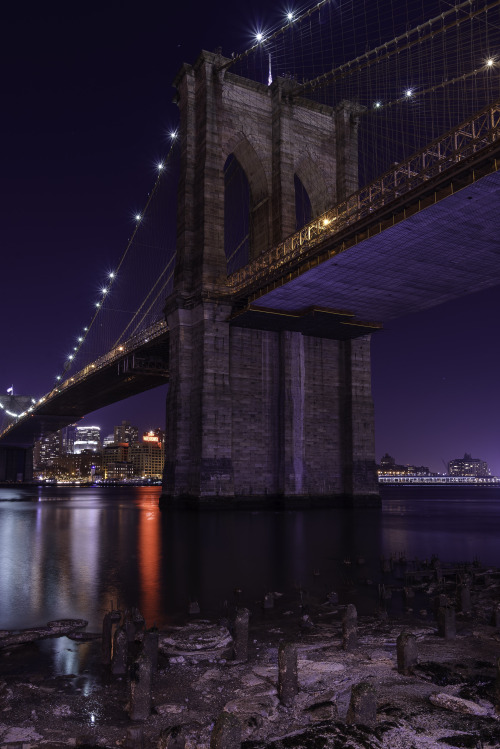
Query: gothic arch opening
pixel 246 195
pixel 236 215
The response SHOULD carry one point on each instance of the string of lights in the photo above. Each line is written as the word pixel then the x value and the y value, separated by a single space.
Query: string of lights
pixel 112 276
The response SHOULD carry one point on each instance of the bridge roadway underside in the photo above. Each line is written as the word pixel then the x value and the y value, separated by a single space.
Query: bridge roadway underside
pixel 444 251
pixel 110 383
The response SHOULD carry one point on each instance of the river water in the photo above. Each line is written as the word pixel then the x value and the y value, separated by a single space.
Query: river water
pixel 74 552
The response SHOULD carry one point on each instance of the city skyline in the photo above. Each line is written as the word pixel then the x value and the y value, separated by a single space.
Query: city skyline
pixel 83 130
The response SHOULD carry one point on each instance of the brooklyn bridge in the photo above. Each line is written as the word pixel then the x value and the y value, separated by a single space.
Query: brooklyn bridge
pixel 308 212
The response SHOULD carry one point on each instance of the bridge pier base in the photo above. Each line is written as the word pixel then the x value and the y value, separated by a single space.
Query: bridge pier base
pixel 260 418
pixel 16 464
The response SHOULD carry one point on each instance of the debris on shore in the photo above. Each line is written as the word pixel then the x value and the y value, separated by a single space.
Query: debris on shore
pixel 298 674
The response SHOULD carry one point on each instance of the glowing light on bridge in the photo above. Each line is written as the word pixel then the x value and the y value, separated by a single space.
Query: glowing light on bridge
pixel 377 105
pixel 409 93
pixel 111 276
pixel 259 36
pixel 104 290
pixel 173 134
pixel 490 62
pixel 290 17
pixel 97 304
pixel 159 166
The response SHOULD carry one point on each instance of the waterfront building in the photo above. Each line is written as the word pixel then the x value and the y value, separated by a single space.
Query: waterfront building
pixel 468 466
pixel 388 467
pixel 148 458
pixel 87 438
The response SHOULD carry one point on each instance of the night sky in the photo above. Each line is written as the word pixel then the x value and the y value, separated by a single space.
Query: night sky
pixel 86 113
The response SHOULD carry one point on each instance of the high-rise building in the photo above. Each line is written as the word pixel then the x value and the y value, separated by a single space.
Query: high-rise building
pixel 468 466
pixel 87 438
pixel 125 432
pixel 47 450
pixel 68 436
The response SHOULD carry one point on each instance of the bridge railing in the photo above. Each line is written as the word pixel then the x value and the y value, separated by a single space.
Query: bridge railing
pixel 467 139
pixel 113 355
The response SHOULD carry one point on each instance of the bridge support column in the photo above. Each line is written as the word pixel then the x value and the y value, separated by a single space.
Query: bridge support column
pixel 259 417
pixel 16 464
pixel 199 462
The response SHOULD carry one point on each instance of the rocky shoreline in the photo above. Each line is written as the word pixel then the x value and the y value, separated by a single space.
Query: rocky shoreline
pixel 291 672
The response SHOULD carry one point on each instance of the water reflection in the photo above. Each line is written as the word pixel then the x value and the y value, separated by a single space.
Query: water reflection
pixel 75 552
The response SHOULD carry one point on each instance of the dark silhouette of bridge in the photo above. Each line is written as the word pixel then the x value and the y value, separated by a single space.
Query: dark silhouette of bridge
pixel 268 367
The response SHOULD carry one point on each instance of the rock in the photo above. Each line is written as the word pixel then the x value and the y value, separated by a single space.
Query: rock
pixel 197 640
pixel 457 704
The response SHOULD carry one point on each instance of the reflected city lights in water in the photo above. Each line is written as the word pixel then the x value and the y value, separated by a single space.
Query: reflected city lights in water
pixel 72 552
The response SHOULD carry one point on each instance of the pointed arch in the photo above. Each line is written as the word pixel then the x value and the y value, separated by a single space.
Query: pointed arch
pixel 259 198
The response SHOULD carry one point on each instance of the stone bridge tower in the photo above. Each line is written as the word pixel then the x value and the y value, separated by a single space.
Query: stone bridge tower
pixel 257 414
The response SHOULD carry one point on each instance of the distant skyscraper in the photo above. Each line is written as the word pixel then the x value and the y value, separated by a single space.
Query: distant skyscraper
pixel 87 438
pixel 126 433
pixel 68 436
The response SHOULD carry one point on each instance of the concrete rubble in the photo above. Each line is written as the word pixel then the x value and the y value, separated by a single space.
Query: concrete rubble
pixel 406 681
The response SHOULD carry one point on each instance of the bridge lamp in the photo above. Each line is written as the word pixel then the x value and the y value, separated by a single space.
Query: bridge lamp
pixel 111 275
pixel 490 62
pixel 80 339
pixel 71 357
pixel 173 134
pixel 409 93
pixel 138 217
pixel 259 36
pixel 289 16
pixel 377 105
pixel 160 166
pixel 58 377
pixel 104 290
pixel 97 304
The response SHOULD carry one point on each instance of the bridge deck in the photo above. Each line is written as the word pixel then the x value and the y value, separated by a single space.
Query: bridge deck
pixel 445 251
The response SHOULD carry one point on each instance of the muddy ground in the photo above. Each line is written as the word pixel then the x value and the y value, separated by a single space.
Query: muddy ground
pixel 197 678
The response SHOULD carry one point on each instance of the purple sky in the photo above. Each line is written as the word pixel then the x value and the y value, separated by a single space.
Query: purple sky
pixel 86 111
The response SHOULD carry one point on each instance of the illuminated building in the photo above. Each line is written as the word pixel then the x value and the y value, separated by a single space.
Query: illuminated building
pixel 87 438
pixel 468 466
pixel 125 432
pixel 148 458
